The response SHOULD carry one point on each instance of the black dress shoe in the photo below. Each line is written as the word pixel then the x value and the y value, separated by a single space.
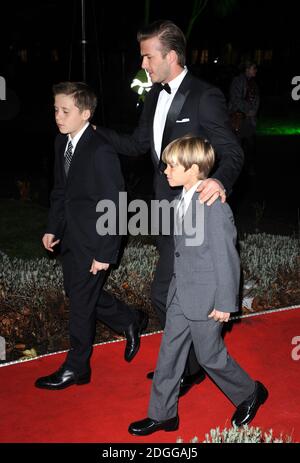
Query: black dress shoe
pixel 133 335
pixel 246 411
pixel 148 426
pixel 186 382
pixel 62 378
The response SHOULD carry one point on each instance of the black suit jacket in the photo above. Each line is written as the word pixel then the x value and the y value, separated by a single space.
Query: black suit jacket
pixel 94 175
pixel 198 108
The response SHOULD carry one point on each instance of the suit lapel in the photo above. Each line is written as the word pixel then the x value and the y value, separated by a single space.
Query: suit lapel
pixel 174 111
pixel 151 118
pixel 175 108
pixel 79 150
pixel 61 150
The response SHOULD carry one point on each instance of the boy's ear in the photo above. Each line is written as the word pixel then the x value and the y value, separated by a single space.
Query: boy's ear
pixel 195 169
pixel 86 114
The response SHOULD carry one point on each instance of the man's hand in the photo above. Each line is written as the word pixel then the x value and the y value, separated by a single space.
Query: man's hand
pixel 210 189
pixel 219 316
pixel 97 267
pixel 48 241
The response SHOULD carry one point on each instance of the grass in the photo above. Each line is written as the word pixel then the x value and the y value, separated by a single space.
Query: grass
pixel 22 226
pixel 284 125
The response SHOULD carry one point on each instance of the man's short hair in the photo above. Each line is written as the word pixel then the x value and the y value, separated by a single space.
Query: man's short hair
pixel 170 36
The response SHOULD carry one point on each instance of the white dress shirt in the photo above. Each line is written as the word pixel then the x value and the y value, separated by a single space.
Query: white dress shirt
pixel 163 105
pixel 187 195
pixel 77 137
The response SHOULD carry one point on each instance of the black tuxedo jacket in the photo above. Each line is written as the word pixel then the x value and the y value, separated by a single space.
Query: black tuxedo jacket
pixel 94 175
pixel 198 108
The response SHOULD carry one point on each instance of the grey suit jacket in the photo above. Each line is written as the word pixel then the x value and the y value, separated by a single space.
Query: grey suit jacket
pixel 206 273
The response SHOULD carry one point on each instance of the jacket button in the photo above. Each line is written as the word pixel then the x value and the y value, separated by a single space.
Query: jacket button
pixel 177 254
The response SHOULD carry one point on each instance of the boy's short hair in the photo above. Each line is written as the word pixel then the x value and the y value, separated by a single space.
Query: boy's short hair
pixel 83 95
pixel 189 150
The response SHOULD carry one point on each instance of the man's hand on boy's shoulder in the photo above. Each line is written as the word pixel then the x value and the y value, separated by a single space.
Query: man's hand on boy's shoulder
pixel 98 266
pixel 210 189
pixel 219 316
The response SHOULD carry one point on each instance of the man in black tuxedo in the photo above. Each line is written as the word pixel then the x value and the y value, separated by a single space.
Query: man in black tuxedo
pixel 178 104
pixel 87 170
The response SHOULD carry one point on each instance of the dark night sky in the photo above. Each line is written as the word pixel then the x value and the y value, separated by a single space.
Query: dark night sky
pixel 117 22
pixel 41 26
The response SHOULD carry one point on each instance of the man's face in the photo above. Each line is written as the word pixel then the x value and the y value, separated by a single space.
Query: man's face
pixel 251 71
pixel 153 61
pixel 68 117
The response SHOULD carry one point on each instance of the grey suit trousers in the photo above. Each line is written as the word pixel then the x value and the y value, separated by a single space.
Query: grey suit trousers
pixel 211 353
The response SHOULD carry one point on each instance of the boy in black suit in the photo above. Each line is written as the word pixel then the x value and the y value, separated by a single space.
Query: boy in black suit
pixel 85 173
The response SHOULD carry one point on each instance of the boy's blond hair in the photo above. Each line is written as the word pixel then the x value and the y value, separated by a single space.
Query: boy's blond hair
pixel 189 150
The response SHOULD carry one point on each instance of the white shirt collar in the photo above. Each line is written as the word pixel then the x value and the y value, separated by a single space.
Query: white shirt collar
pixel 175 83
pixel 77 137
pixel 187 195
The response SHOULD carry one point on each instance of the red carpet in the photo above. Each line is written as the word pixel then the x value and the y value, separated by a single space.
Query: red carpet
pixel 118 394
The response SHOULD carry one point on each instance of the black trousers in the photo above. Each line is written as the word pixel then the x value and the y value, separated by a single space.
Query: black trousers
pixel 89 302
pixel 159 291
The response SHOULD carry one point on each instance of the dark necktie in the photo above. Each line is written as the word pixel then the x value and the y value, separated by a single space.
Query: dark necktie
pixel 68 157
pixel 165 87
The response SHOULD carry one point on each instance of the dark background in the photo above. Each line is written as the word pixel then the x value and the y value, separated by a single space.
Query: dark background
pixel 40 45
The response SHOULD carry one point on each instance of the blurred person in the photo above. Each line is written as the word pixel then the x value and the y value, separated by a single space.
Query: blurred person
pixel 243 107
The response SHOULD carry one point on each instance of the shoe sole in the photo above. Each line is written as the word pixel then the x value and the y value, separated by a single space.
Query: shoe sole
pixel 80 382
pixel 166 429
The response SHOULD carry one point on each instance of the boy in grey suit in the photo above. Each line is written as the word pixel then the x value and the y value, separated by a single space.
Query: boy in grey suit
pixel 202 294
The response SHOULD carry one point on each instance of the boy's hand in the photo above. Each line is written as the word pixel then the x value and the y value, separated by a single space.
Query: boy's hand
pixel 219 316
pixel 48 241
pixel 210 189
pixel 97 266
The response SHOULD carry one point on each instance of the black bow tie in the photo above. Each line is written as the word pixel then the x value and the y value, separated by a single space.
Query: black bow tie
pixel 165 87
